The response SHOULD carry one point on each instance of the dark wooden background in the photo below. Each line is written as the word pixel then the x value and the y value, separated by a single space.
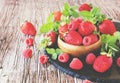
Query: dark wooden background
pixel 13 67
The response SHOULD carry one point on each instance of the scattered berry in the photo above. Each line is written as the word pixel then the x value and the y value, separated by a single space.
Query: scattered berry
pixel 85 7
pixel 76 64
pixel 90 58
pixel 118 61
pixel 87 81
pixel 102 63
pixel 90 39
pixel 28 28
pixel 57 16
pixel 43 59
pixel 86 28
pixel 73 38
pixel 64 57
pixel 107 27
pixel 27 53
pixel 29 41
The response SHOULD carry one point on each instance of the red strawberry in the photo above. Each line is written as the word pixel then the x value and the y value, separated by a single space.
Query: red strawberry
pixel 63 30
pixel 86 28
pixel 107 27
pixel 76 64
pixel 90 39
pixel 73 37
pixel 87 81
pixel 64 57
pixel 102 63
pixel 27 53
pixel 52 35
pixel 28 28
pixel 85 7
pixel 74 24
pixel 90 58
pixel 57 16
pixel 43 59
pixel 29 41
pixel 118 61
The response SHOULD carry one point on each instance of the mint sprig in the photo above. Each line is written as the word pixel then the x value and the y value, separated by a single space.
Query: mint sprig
pixel 109 46
pixel 95 15
pixel 70 11
pixel 53 52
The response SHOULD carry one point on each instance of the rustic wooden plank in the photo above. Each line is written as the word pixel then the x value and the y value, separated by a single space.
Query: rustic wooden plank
pixel 13 67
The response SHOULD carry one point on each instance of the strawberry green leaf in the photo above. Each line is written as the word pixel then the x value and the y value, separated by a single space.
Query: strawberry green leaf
pixel 54 56
pixel 50 18
pixel 50 50
pixel 58 51
pixel 46 27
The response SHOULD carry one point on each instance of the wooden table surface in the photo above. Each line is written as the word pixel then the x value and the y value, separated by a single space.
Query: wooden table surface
pixel 14 68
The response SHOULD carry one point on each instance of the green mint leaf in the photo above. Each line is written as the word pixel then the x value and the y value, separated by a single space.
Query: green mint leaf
pixel 50 18
pixel 117 35
pixel 73 13
pixel 56 26
pixel 54 56
pixel 58 51
pixel 46 27
pixel 66 6
pixel 50 50
pixel 85 14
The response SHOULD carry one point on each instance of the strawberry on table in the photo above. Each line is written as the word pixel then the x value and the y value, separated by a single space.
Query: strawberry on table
pixel 85 6
pixel 64 57
pixel 28 28
pixel 73 38
pixel 76 64
pixel 107 27
pixel 86 28
pixel 102 63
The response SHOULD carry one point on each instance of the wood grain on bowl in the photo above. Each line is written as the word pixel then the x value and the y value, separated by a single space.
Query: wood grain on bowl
pixel 78 51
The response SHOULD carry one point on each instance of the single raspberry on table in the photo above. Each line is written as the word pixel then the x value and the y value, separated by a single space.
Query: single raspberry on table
pixel 27 53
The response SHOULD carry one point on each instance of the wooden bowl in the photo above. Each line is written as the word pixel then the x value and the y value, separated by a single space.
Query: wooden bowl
pixel 78 51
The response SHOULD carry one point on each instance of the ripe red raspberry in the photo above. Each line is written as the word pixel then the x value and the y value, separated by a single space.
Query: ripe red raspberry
pixel 90 58
pixel 118 61
pixel 76 64
pixel 64 57
pixel 29 41
pixel 85 7
pixel 43 59
pixel 90 39
pixel 27 53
